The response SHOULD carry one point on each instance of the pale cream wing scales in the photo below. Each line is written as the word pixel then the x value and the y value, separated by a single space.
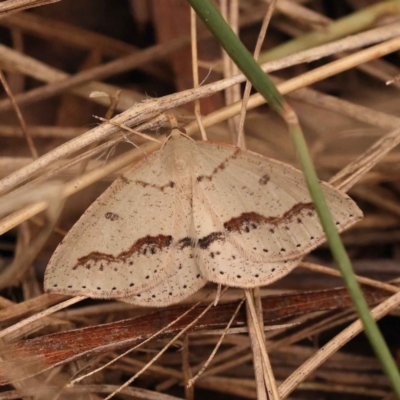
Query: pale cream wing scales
pixel 124 242
pixel 263 205
pixel 222 261
pixel 229 267
pixel 186 281
pixel 187 278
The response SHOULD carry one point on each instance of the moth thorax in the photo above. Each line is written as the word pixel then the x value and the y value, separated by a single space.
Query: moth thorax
pixel 180 164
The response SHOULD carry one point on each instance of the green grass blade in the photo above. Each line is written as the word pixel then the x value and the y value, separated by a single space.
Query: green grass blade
pixel 239 54
pixel 356 22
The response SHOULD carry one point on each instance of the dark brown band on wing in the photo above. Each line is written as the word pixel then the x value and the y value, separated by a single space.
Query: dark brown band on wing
pixel 221 166
pixel 170 184
pixel 148 243
pixel 239 223
pixel 186 242
pixel 206 241
pixel 247 221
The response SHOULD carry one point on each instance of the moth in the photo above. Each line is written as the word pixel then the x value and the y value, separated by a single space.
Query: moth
pixel 190 213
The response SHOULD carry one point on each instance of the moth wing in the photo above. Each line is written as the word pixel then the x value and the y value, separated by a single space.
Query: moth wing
pixel 122 244
pixel 185 281
pixel 262 204
pixel 222 261
pixel 229 267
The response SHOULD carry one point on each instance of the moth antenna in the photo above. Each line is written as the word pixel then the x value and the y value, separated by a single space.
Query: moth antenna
pixel 127 128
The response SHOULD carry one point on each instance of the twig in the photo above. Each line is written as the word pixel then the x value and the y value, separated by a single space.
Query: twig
pixel 13 61
pixel 229 68
pixel 12 6
pixel 360 113
pixel 348 25
pixel 186 370
pixel 300 13
pixel 210 358
pixel 20 117
pixel 395 79
pixel 264 376
pixel 86 390
pixel 37 25
pixel 361 279
pixel 332 346
pixel 270 379
pixel 42 131
pixel 366 161
pixel 260 40
pixel 195 69
pixel 258 364
pixel 123 126
pixel 42 314
pixel 114 99
pixel 114 67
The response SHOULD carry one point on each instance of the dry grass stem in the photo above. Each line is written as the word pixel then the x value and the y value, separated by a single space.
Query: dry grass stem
pixel 358 112
pixel 20 117
pixel 60 132
pixel 269 375
pixel 223 355
pixel 13 61
pixel 222 335
pixel 366 161
pixel 260 372
pixel 11 6
pixel 246 94
pixel 195 69
pixel 89 390
pixel 361 279
pixel 127 128
pixel 61 32
pixel 298 12
pixel 100 72
pixel 229 68
pixel 339 341
pixel 13 328
pixel 186 370
pixel 395 79
pixel 233 331
pixel 27 249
